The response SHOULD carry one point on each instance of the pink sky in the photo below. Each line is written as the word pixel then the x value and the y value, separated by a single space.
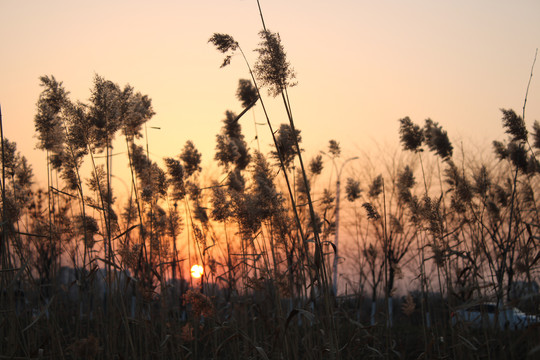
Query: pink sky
pixel 361 65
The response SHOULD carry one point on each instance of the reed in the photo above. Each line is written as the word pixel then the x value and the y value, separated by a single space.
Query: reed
pixel 434 233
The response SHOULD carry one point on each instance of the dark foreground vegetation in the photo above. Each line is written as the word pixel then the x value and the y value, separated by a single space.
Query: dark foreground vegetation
pixel 87 276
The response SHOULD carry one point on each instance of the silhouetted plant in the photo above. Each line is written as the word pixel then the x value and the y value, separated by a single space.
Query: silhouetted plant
pixel 47 120
pixel 484 241
pixel 437 139
pixel 176 178
pixel 246 93
pixel 376 187
pixel 96 184
pixel 191 158
pixel 536 135
pixel 225 44
pixel 87 228
pixel 482 181
pixel 285 147
pixel 236 181
pixel 302 187
pixel 514 125
pixel 135 110
pixel 334 149
pixel 411 135
pixel 264 189
pixel 515 150
pixel 272 68
pixel 459 187
pixel 231 149
pixel 104 112
pixel 18 187
pixel 9 157
pixel 352 189
pixel 372 213
pixel 221 206
pixel 316 165
pixel 392 230
pixel 405 182
pixel 518 156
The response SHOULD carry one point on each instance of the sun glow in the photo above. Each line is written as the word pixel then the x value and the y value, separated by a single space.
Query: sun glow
pixel 197 271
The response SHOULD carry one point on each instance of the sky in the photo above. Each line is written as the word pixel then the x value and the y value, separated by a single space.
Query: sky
pixel 360 65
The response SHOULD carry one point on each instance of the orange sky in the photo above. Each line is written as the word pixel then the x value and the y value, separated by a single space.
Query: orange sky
pixel 361 65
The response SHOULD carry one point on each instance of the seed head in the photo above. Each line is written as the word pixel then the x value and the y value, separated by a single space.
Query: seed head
pixel 327 198
pixel 405 183
pixel 47 121
pixel 411 135
pixel 246 93
pixel 375 189
pixel 518 156
pixel 176 178
pixel 220 203
pixel 514 124
pixel 191 158
pixel 536 135
pixel 316 165
pixel 224 43
pixel 286 146
pixel 272 68
pixel 372 212
pixel 437 139
pixel 482 181
pixel 334 149
pixel 263 188
pixel 500 150
pixel 352 189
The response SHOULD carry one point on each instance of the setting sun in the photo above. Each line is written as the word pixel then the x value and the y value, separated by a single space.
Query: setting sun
pixel 197 271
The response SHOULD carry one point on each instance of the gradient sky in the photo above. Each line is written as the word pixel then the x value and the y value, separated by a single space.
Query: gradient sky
pixel 361 65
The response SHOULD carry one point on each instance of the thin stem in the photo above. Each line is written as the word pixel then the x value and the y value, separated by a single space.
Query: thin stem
pixel 4 252
pixel 280 156
pixel 529 84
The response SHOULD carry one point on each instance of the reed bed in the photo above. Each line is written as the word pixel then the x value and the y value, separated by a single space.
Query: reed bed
pixel 430 233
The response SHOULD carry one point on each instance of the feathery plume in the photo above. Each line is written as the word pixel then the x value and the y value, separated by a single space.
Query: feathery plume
pixel 514 124
pixel 176 178
pixel 500 150
pixel 272 68
pixel 518 155
pixel 225 44
pixel 334 149
pixel 405 182
pixel 482 181
pixel 286 146
pixel 437 139
pixel 411 135
pixel 371 211
pixel 375 189
pixel 536 135
pixel 191 158
pixel 316 165
pixel 231 147
pixel 47 121
pixel 352 189
pixel 246 93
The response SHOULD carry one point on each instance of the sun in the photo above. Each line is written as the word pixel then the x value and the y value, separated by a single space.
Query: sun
pixel 197 271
